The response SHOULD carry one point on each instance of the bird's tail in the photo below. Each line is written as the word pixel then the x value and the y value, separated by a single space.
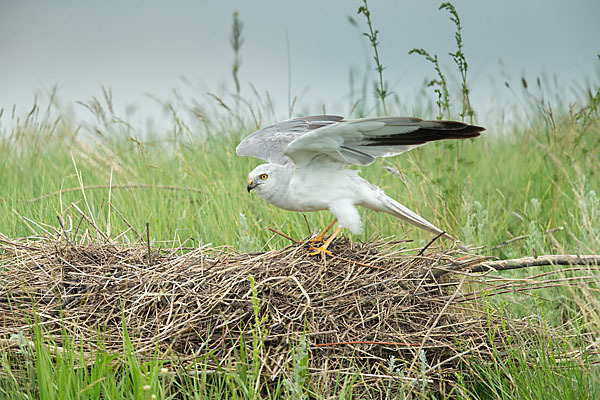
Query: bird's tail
pixel 396 209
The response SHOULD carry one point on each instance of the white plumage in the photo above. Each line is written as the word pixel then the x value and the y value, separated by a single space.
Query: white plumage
pixel 307 159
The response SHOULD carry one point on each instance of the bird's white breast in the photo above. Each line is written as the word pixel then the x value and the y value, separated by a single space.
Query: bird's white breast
pixel 310 190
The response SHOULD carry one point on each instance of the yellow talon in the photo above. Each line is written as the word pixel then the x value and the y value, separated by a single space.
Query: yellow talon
pixel 319 238
pixel 323 249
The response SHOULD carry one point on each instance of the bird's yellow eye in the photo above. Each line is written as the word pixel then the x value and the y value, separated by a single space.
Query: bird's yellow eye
pixel 264 176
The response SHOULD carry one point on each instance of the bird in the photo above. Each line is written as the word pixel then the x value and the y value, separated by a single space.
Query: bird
pixel 307 161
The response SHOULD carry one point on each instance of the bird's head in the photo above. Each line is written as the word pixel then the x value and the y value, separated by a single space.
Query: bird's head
pixel 267 180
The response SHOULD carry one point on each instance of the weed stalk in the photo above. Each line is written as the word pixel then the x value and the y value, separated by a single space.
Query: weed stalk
pixel 380 88
pixel 439 84
pixel 236 41
pixel 461 62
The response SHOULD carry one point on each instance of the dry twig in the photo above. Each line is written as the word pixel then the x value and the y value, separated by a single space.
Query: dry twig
pixel 370 302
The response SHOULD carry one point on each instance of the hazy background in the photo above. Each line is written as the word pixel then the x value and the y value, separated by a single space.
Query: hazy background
pixel 140 47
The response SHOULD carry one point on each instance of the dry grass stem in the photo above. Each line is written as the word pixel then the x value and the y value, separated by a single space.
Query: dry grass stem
pixel 366 304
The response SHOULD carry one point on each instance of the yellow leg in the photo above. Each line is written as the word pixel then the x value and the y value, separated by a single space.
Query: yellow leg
pixel 321 236
pixel 323 249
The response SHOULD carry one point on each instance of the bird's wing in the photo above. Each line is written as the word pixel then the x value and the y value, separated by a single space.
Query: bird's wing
pixel 360 141
pixel 269 143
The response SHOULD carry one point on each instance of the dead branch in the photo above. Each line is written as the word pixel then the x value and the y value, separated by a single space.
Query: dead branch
pixel 516 263
pixel 526 262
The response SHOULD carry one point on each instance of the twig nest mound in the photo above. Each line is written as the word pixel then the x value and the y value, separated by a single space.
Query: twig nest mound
pixel 370 305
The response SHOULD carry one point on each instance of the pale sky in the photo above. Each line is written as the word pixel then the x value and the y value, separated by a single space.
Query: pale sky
pixel 136 47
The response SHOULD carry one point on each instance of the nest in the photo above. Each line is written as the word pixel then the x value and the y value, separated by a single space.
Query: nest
pixel 371 307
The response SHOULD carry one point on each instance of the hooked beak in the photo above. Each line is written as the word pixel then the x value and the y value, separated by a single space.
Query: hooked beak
pixel 251 185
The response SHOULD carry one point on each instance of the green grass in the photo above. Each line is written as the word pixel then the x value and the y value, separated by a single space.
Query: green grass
pixel 498 187
pixel 523 182
pixel 518 182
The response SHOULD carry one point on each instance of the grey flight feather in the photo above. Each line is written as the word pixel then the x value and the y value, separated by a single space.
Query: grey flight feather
pixel 358 141
pixel 269 143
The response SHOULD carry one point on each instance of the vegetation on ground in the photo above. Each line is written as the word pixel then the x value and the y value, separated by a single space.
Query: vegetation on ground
pixel 528 188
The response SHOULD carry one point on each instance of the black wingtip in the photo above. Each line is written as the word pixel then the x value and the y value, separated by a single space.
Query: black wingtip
pixel 431 131
pixel 469 131
pixel 475 128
